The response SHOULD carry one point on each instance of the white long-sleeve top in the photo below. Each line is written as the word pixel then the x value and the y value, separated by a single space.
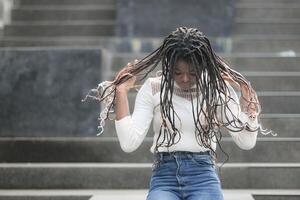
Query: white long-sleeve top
pixel 132 129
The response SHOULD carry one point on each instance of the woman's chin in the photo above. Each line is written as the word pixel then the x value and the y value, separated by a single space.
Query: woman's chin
pixel 185 87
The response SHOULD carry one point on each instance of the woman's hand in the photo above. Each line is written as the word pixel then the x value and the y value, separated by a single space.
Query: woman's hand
pixel 121 103
pixel 248 100
pixel 232 82
pixel 125 87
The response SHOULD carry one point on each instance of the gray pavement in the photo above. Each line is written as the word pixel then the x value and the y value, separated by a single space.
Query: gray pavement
pixel 234 194
pixel 141 194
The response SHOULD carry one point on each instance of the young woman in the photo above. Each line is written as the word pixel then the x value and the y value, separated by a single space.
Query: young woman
pixel 189 102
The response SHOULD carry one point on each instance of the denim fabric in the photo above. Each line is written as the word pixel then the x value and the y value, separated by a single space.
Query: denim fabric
pixel 184 176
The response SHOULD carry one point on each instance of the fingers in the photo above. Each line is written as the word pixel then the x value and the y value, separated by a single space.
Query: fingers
pixel 129 66
pixel 249 106
pixel 132 64
pixel 132 77
pixel 231 81
pixel 126 69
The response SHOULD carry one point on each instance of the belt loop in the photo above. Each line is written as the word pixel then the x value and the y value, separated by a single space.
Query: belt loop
pixel 161 156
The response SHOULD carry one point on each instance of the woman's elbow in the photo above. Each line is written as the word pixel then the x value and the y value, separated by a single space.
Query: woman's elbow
pixel 248 145
pixel 128 148
pixel 246 140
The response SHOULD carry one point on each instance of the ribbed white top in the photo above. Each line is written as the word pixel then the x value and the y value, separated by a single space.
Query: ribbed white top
pixel 132 129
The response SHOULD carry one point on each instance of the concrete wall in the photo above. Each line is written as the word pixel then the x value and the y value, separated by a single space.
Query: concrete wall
pixel 156 18
pixel 41 92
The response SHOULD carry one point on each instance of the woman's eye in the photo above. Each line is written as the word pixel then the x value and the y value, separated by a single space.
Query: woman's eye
pixel 177 73
pixel 193 74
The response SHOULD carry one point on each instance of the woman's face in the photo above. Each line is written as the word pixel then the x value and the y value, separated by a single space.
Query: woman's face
pixel 184 75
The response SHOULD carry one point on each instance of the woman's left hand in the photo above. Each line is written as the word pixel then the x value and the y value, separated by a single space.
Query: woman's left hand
pixel 247 100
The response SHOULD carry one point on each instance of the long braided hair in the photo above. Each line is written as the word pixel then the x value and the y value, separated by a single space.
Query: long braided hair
pixel 212 92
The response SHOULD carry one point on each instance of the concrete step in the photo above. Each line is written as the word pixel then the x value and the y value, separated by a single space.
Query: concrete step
pixel 113 44
pixel 115 176
pixel 254 26
pixel 105 194
pixel 67 7
pixel 286 61
pixel 44 197
pixel 249 11
pixel 229 194
pixel 63 2
pixel 87 41
pixel 268 2
pixel 240 46
pixel 57 13
pixel 74 28
pixel 283 83
pixel 264 61
pixel 237 44
pixel 266 43
pixel 277 197
pixel 285 125
pixel 49 197
pixel 271 102
pixel 107 149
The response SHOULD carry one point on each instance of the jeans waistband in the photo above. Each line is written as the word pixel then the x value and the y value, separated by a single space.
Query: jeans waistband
pixel 182 154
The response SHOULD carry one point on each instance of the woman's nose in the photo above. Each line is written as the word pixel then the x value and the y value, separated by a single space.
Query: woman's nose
pixel 185 78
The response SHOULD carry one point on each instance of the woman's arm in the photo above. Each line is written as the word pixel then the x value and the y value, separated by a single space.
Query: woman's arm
pixel 245 139
pixel 122 106
pixel 132 129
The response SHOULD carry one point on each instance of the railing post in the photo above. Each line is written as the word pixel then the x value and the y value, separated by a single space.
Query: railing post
pixel 5 10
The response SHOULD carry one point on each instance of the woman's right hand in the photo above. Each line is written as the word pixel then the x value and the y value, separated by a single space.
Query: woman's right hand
pixel 125 87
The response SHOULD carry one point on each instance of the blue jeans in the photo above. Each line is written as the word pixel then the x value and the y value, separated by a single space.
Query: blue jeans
pixel 184 176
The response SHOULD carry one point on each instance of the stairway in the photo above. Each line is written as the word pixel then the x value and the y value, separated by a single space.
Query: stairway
pixel 96 168
pixel 65 22
pixel 269 30
pixel 267 26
